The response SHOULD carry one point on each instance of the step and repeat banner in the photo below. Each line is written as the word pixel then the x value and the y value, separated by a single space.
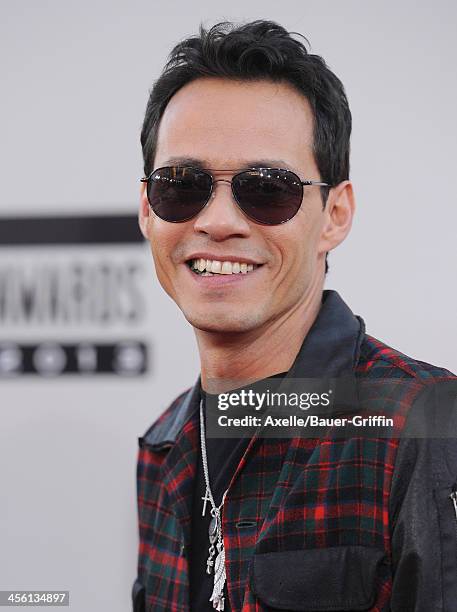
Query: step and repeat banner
pixel 66 280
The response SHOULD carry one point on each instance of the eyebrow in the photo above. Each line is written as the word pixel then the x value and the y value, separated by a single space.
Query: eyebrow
pixel 204 164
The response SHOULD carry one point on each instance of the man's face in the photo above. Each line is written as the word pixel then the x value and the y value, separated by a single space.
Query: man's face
pixel 231 126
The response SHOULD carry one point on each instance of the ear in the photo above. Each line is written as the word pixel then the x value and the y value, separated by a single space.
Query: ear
pixel 338 214
pixel 144 212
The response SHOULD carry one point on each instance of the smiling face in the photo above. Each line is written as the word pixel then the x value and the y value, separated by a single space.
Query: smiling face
pixel 233 125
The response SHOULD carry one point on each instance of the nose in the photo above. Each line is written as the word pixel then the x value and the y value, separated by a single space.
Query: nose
pixel 221 218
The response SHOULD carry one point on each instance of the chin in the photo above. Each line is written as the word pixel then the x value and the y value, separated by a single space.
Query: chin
pixel 224 323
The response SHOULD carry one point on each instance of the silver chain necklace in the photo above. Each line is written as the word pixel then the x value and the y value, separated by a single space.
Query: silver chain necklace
pixel 214 531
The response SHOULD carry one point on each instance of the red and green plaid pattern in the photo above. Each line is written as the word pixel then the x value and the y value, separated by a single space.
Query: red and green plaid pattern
pixel 300 493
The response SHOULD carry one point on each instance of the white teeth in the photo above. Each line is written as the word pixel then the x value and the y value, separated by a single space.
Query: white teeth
pixel 213 266
pixel 226 267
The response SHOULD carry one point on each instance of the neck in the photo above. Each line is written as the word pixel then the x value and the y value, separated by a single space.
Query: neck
pixel 247 356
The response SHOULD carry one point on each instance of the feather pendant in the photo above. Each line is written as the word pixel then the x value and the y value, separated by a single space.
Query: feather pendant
pixel 219 580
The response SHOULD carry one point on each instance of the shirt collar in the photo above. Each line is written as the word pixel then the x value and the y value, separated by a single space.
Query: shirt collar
pixel 331 348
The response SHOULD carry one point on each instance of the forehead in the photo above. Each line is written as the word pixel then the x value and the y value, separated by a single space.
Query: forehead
pixel 226 122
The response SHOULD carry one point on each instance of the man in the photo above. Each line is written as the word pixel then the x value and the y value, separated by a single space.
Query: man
pixel 246 190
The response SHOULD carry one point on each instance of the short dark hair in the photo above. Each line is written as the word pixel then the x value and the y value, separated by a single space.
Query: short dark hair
pixel 259 50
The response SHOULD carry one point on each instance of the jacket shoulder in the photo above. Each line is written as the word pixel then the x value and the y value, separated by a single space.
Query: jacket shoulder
pixel 378 360
pixel 161 430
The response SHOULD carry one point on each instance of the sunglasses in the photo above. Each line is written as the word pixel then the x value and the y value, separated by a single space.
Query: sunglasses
pixel 267 195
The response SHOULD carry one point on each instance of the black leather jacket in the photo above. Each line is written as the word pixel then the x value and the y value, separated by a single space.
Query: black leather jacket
pixel 423 505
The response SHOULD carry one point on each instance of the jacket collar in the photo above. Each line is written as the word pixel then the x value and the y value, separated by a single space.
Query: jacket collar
pixel 331 348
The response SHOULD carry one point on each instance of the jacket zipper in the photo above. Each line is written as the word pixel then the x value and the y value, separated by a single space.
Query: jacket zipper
pixel 453 497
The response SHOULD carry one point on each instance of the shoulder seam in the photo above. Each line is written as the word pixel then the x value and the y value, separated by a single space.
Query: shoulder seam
pixel 393 357
pixel 166 413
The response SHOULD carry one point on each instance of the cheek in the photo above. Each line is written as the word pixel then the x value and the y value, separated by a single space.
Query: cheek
pixel 298 251
pixel 308 231
pixel 298 242
pixel 164 238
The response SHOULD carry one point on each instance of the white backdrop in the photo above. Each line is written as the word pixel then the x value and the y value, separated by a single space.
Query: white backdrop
pixel 75 78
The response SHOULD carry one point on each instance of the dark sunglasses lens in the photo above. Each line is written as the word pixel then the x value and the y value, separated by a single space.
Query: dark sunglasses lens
pixel 268 196
pixel 178 194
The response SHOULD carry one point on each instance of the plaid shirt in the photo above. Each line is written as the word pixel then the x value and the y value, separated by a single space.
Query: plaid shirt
pixel 358 523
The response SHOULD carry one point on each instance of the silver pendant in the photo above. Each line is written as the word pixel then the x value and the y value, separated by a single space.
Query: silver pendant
pixel 219 579
pixel 212 530
pixel 205 500
pixel 212 533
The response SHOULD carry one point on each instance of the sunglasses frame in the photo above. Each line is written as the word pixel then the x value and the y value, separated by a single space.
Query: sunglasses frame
pixel 207 171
